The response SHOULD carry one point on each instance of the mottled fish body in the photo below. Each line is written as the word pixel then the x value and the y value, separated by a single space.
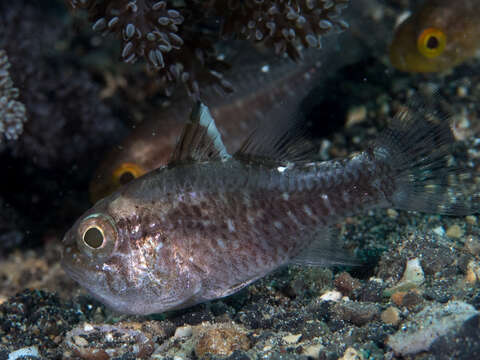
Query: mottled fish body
pixel 437 37
pixel 209 223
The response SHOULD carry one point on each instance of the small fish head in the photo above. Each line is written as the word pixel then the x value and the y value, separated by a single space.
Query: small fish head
pixel 128 269
pixel 432 40
pixel 147 148
pixel 115 171
pixel 420 51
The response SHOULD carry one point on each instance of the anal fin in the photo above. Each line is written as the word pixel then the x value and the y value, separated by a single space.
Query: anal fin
pixel 324 250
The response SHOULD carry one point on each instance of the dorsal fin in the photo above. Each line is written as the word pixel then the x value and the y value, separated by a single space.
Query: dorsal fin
pixel 282 136
pixel 200 139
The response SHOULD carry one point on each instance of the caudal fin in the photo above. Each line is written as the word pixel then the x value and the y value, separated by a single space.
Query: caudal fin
pixel 418 148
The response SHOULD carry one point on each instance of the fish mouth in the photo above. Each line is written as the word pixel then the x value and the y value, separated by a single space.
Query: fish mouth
pixel 71 271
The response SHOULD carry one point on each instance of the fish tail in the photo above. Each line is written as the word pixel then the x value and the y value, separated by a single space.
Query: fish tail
pixel 417 150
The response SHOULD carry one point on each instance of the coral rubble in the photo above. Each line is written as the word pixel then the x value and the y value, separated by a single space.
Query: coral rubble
pixel 178 38
pixel 282 24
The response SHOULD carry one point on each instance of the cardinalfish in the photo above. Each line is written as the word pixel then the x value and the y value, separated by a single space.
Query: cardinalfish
pixel 439 36
pixel 210 223
pixel 256 90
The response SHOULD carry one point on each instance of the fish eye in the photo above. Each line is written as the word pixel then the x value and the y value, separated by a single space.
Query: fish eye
pixel 126 172
pixel 97 235
pixel 126 177
pixel 93 237
pixel 431 42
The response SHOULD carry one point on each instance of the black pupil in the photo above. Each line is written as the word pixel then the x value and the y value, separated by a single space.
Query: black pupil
pixel 126 177
pixel 93 237
pixel 432 42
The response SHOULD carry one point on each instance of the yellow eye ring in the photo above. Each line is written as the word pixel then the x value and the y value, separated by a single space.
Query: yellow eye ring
pixel 126 172
pixel 431 42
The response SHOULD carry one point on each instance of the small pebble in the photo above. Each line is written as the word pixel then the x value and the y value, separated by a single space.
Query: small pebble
pixel 30 352
pixel 413 272
pixel 332 295
pixel 439 230
pixel 413 276
pixel 183 332
pixel 455 232
pixel 292 339
pixel 462 91
pixel 80 341
pixel 356 115
pixel 472 220
pixel 351 354
pixel 473 272
pixel 391 316
pixel 345 283
pixel 313 351
pixel 392 213
pixel 88 327
pixel 355 312
pixel 397 298
pixel 220 339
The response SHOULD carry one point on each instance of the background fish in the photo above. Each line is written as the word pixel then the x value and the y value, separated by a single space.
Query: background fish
pixel 257 88
pixel 209 223
pixel 440 35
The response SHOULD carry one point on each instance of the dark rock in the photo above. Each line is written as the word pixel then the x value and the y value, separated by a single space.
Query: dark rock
pixel 433 323
pixel 355 312
pixel 435 259
pixel 238 355
pixel 464 344
pixel 411 299
pixel 346 284
pixel 372 291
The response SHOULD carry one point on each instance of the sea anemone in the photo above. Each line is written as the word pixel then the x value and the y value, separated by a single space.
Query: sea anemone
pixel 153 30
pixel 178 38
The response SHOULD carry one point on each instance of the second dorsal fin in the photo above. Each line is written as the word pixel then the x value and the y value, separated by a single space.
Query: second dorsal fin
pixel 200 140
pixel 281 136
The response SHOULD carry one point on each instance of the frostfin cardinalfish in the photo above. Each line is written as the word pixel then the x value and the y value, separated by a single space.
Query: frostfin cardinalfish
pixel 210 223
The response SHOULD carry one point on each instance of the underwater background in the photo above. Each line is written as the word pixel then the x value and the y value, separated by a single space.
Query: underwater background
pixel 81 80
